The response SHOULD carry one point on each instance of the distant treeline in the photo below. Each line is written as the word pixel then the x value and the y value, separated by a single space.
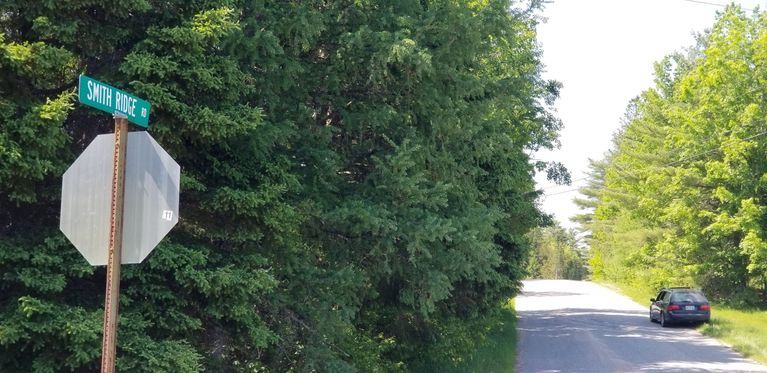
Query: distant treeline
pixel 556 254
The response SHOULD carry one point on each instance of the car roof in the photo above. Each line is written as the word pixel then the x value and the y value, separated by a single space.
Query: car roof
pixel 680 288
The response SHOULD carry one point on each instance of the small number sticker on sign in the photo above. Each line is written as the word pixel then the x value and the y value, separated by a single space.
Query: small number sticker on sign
pixel 167 215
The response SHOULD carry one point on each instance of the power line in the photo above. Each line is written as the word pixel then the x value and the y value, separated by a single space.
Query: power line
pixel 714 4
pixel 562 192
pixel 557 186
pixel 706 3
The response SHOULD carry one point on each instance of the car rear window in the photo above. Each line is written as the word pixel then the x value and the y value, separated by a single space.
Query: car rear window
pixel 688 296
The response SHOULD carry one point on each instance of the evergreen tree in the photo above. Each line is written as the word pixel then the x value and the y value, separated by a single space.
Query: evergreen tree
pixel 355 181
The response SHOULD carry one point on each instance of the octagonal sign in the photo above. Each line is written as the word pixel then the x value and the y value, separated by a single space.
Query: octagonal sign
pixel 151 198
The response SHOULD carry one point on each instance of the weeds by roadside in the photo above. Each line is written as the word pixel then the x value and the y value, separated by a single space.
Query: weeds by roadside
pixel 499 351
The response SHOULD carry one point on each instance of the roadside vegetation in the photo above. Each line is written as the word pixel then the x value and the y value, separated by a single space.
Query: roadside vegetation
pixel 744 330
pixel 554 253
pixel 681 199
pixel 356 180
pixel 495 354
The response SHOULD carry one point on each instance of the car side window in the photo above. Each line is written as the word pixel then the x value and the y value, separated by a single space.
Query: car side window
pixel 660 296
pixel 667 296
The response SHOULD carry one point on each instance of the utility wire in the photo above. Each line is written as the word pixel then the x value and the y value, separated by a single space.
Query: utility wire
pixel 562 192
pixel 713 4
pixel 552 186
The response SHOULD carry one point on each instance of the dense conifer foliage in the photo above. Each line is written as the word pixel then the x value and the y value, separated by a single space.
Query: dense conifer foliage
pixel 355 180
pixel 681 198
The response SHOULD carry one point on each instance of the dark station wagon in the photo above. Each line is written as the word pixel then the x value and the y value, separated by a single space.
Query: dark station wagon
pixel 680 305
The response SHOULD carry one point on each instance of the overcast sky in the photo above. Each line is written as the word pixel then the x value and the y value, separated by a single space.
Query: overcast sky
pixel 603 52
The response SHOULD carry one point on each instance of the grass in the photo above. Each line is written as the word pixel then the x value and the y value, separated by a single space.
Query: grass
pixel 499 351
pixel 744 330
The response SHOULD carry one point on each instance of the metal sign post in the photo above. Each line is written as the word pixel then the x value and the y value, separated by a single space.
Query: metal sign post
pixel 112 297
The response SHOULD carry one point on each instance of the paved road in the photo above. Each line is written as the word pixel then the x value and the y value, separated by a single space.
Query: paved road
pixel 573 326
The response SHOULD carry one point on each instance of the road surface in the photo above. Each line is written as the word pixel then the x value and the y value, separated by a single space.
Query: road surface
pixel 574 326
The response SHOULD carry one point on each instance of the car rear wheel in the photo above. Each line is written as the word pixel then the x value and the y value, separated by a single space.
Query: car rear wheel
pixel 663 321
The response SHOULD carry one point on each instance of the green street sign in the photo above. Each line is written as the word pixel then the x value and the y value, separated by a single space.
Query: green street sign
pixel 114 101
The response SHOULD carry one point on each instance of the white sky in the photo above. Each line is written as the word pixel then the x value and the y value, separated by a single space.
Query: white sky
pixel 603 52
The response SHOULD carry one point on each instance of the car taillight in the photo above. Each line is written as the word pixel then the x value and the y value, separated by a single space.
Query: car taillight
pixel 704 307
pixel 673 307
